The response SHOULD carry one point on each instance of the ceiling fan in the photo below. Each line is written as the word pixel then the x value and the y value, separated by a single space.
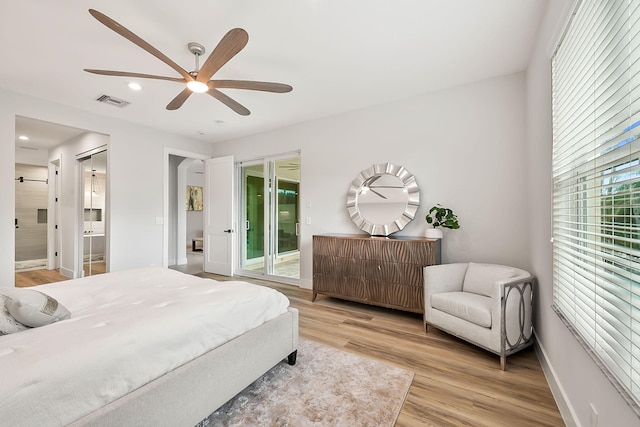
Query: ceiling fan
pixel 198 81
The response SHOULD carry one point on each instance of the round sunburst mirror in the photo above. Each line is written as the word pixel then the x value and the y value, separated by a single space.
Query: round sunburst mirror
pixel 383 199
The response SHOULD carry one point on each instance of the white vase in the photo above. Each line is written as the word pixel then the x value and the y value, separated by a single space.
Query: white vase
pixel 433 233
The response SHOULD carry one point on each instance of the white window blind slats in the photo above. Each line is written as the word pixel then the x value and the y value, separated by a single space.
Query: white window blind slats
pixel 596 184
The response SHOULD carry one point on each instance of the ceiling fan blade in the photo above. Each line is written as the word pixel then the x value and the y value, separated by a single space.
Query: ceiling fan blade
pixel 127 34
pixel 235 106
pixel 250 85
pixel 179 99
pixel 232 43
pixel 135 75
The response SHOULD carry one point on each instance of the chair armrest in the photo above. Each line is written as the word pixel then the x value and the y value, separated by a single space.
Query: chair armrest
pixel 444 278
pixel 521 277
pixel 516 311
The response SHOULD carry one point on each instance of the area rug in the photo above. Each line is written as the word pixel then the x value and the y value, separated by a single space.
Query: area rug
pixel 326 387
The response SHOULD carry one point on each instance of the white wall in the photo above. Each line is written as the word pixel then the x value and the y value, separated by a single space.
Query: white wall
pixel 466 147
pixel 575 380
pixel 136 159
pixel 7 189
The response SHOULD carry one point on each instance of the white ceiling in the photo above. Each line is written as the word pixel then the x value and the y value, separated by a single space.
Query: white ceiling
pixel 339 55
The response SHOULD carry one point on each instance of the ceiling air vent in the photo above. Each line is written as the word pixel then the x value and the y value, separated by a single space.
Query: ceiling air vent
pixel 112 101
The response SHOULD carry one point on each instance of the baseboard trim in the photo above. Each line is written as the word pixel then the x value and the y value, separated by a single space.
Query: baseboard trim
pixel 66 272
pixel 564 406
pixel 306 284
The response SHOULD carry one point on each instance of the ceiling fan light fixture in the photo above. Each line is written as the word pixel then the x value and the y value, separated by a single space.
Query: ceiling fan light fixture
pixel 197 87
pixel 198 80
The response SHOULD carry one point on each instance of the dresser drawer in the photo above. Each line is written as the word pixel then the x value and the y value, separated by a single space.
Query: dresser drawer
pixel 379 271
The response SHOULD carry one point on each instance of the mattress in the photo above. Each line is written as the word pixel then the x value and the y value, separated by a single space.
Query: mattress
pixel 126 329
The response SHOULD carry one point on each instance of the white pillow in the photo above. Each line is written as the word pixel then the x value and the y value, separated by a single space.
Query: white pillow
pixel 33 308
pixel 480 278
pixel 8 325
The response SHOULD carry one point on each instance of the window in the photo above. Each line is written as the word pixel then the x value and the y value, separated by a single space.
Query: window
pixel 596 179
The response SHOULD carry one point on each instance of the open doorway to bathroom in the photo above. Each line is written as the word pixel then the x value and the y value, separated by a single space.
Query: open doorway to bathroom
pixel 45 199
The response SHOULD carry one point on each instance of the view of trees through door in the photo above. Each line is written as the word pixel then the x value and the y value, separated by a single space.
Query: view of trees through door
pixel 269 211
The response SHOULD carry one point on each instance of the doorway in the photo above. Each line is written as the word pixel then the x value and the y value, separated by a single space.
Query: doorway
pixel 186 183
pixel 269 195
pixel 55 147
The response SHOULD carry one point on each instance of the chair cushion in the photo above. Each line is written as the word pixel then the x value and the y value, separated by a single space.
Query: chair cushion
pixel 480 278
pixel 471 307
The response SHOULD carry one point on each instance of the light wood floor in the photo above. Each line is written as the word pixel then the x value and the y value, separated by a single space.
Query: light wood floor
pixel 455 383
pixel 25 279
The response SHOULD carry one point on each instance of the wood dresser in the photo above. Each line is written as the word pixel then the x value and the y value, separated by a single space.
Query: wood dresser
pixel 383 271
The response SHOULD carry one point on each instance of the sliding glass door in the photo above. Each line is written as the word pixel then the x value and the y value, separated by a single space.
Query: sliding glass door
pixel 269 235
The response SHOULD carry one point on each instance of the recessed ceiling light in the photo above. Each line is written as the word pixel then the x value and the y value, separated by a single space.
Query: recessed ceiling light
pixel 134 86
pixel 23 138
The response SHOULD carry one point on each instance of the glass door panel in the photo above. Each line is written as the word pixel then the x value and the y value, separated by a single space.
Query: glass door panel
pixel 253 202
pixel 270 214
pixel 255 217
pixel 287 216
pixel 94 178
pixel 286 175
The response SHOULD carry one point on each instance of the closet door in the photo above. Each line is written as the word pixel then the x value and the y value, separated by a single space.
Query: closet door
pixel 92 245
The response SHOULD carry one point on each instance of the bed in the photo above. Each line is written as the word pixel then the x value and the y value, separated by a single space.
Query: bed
pixel 147 346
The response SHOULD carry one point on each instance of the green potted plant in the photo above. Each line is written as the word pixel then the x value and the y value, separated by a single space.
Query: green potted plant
pixel 439 216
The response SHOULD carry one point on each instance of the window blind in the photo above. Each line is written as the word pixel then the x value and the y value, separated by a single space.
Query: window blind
pixel 596 185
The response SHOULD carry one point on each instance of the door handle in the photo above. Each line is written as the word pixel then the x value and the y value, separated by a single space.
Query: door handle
pixel 228 231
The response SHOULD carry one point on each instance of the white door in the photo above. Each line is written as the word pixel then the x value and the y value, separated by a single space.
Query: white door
pixel 219 216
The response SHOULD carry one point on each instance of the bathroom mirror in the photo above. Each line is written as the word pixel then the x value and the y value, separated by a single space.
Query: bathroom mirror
pixel 383 199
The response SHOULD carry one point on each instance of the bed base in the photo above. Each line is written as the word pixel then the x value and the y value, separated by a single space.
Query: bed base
pixel 188 394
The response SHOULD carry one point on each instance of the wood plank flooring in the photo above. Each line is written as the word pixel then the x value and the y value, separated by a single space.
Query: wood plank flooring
pixel 455 383
pixel 25 279
pixel 28 278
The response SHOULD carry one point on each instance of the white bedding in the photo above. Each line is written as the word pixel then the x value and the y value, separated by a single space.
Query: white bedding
pixel 126 329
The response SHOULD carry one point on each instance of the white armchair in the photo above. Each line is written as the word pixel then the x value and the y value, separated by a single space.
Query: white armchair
pixel 486 304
